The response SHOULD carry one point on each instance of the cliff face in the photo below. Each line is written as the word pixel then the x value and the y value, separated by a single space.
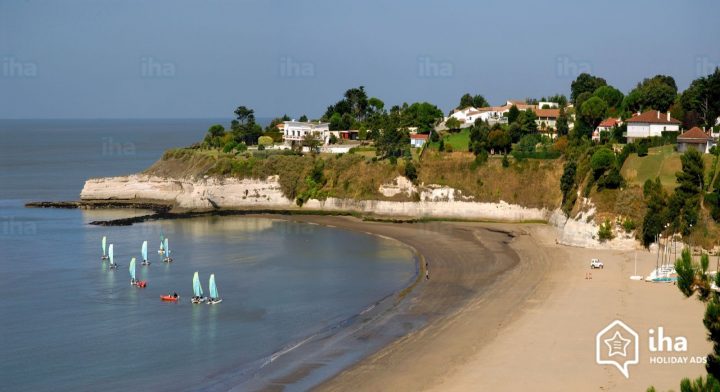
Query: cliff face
pixel 229 193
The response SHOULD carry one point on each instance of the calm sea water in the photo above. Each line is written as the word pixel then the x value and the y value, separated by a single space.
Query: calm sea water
pixel 68 323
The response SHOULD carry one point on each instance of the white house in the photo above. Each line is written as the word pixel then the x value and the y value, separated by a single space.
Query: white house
pixel 294 131
pixel 418 139
pixel 605 126
pixel 650 123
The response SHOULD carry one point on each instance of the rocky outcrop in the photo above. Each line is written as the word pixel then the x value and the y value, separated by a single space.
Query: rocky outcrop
pixel 582 231
pixel 230 193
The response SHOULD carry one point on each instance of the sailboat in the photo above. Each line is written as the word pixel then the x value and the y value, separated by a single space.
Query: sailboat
pixel 104 247
pixel 144 254
pixel 133 281
pixel 197 290
pixel 167 258
pixel 112 260
pixel 214 296
pixel 161 250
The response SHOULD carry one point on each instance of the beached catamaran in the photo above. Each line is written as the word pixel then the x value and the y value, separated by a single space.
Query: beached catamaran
pixel 167 258
pixel 214 296
pixel 145 260
pixel 197 290
pixel 112 259
pixel 104 247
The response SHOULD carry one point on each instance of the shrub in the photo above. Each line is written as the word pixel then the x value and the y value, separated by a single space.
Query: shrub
pixel 410 171
pixel 261 147
pixel 505 161
pixel 605 233
pixel 265 140
pixel 229 146
pixel 602 159
pixel 629 225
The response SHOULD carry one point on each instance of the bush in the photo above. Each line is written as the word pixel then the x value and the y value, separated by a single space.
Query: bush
pixel 261 147
pixel 505 161
pixel 265 141
pixel 642 149
pixel 229 146
pixel 629 225
pixel 410 171
pixel 605 233
pixel 242 147
pixel 602 160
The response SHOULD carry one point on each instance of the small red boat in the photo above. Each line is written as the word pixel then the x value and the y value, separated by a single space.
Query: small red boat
pixel 169 298
pixel 142 284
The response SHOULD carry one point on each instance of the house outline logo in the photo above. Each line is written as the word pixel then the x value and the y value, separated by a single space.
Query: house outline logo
pixel 616 346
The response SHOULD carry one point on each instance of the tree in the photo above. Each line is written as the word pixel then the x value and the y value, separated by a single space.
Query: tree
pixel 410 171
pixel 602 159
pixel 656 215
pixel 303 118
pixel 612 96
pixel 585 83
pixel 214 135
pixel 513 114
pixel 312 142
pixel 693 278
pixel 245 115
pixel 701 101
pixel 567 181
pixel 499 140
pixel 593 111
pixel 423 115
pixel 562 123
pixel 452 123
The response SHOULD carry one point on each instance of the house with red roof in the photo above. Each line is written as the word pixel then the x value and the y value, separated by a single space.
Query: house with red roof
pixel 650 123
pixel 418 139
pixel 696 139
pixel 605 126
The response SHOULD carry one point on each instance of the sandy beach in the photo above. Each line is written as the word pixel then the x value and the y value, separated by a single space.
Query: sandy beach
pixel 509 309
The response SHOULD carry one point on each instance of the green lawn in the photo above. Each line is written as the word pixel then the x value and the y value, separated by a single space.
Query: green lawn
pixel 660 161
pixel 459 141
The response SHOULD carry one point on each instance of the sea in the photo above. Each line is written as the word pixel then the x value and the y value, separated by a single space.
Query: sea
pixel 69 323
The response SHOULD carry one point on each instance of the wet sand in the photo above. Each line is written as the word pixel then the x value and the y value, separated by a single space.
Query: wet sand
pixel 509 309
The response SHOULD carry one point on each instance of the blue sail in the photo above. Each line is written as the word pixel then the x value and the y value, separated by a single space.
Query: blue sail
pixel 104 245
pixel 110 254
pixel 132 269
pixel 197 287
pixel 167 246
pixel 144 251
pixel 213 287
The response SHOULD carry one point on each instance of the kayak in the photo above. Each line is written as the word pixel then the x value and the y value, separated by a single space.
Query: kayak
pixel 169 298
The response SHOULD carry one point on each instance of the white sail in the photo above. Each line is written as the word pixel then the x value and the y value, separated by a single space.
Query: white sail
pixel 132 269
pixel 197 287
pixel 167 245
pixel 213 288
pixel 110 254
pixel 104 245
pixel 144 250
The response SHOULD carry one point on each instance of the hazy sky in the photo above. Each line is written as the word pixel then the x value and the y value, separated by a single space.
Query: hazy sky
pixel 203 58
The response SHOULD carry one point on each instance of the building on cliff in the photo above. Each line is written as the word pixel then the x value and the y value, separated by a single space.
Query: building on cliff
pixel 295 131
pixel 650 123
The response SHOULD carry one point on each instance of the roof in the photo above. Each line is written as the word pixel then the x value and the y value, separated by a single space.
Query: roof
pixel 419 136
pixel 695 134
pixel 653 117
pixel 547 112
pixel 609 122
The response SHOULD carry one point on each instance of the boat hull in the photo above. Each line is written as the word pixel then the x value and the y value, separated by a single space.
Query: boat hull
pixel 169 298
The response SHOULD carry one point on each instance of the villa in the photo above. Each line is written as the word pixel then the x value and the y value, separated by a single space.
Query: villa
pixel 606 125
pixel 696 139
pixel 295 131
pixel 650 123
pixel 546 118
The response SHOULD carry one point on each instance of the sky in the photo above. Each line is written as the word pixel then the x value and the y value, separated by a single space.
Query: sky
pixel 203 58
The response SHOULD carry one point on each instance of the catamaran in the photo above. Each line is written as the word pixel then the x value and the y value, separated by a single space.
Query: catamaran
pixel 167 258
pixel 214 296
pixel 112 260
pixel 197 290
pixel 144 254
pixel 104 246
pixel 133 281
pixel 161 250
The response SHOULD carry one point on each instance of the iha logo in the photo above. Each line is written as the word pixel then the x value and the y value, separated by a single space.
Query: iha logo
pixel 617 345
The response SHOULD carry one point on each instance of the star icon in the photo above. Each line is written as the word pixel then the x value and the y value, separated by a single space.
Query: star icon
pixel 617 345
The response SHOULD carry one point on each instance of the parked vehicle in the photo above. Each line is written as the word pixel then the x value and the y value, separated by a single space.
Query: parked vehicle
pixel 596 263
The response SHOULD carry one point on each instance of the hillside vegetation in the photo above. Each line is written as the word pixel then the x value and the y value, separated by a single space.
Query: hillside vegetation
pixel 531 183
